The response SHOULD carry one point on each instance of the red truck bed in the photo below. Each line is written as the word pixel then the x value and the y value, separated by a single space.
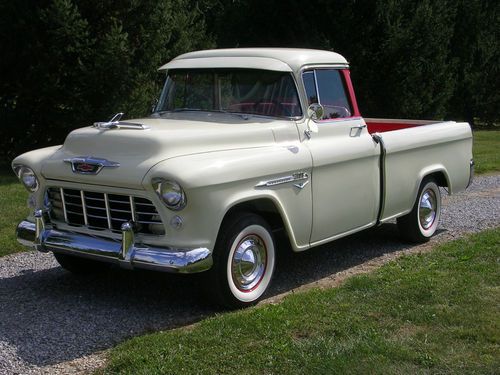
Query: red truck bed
pixel 380 125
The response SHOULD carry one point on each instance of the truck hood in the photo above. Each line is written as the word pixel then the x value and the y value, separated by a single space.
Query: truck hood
pixel 137 150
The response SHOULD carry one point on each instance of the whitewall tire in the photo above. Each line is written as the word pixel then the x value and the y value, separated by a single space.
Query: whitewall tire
pixel 422 222
pixel 244 260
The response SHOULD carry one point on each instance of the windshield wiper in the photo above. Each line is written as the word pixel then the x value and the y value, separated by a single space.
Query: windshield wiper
pixel 186 110
pixel 244 116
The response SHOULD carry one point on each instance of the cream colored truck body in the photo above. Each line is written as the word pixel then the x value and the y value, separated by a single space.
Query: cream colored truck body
pixel 223 161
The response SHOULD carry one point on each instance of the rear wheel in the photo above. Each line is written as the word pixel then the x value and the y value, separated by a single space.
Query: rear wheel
pixel 80 266
pixel 421 223
pixel 244 258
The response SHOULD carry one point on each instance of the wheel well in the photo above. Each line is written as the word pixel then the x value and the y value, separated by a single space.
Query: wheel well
pixel 439 177
pixel 266 209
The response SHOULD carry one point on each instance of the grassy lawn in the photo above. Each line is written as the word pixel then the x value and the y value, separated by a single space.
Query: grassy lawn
pixel 13 196
pixel 430 313
pixel 487 151
pixel 13 208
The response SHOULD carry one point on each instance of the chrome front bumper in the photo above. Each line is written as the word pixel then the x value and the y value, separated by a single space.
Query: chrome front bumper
pixel 126 254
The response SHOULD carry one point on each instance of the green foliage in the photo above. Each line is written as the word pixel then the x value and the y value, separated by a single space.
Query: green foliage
pixel 428 313
pixel 417 83
pixel 410 59
pixel 476 54
pixel 67 63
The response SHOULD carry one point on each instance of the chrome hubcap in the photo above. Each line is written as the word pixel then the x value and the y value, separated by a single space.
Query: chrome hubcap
pixel 427 209
pixel 249 262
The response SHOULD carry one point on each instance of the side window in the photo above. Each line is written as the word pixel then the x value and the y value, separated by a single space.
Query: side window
pixel 332 94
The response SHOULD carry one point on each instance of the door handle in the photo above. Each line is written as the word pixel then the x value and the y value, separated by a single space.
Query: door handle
pixel 356 130
pixel 362 126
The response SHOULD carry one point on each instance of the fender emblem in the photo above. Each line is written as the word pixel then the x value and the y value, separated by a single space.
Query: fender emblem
pixel 295 177
pixel 301 185
pixel 89 164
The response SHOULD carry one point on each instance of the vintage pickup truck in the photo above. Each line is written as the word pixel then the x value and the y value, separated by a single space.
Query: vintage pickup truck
pixel 243 143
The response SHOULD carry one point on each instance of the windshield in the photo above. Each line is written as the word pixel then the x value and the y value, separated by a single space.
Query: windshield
pixel 249 91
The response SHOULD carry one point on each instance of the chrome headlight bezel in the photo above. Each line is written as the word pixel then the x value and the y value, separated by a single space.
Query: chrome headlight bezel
pixel 27 177
pixel 170 193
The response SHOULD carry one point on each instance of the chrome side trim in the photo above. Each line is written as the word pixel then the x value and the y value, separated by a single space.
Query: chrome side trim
pixel 125 253
pixel 298 176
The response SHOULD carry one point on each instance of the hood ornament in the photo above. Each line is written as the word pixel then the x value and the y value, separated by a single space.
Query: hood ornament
pixel 89 164
pixel 115 123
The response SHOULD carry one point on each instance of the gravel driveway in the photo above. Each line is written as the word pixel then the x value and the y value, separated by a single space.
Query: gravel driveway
pixel 54 322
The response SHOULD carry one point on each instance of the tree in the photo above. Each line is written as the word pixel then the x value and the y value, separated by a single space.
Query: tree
pixel 411 74
pixel 476 53
pixel 69 63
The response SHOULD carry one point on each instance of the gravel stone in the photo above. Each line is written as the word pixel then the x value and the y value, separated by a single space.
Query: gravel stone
pixel 52 322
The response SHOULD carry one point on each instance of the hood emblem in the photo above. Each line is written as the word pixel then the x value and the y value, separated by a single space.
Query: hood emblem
pixel 89 164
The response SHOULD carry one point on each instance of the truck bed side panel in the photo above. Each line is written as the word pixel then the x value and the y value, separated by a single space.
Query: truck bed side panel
pixel 416 152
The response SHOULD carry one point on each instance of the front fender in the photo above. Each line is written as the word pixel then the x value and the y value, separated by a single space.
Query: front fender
pixel 35 159
pixel 214 182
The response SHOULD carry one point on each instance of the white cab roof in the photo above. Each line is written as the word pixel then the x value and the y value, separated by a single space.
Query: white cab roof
pixel 278 59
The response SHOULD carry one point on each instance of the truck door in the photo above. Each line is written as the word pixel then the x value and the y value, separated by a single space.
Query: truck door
pixel 345 175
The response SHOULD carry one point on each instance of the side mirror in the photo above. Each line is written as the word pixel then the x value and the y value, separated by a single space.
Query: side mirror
pixel 315 112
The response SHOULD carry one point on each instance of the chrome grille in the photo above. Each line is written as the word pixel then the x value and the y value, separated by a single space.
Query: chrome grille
pixel 101 211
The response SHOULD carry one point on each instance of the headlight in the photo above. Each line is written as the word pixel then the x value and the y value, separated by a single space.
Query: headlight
pixel 171 193
pixel 27 177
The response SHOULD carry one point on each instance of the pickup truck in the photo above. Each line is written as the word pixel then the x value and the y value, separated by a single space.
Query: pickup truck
pixel 242 144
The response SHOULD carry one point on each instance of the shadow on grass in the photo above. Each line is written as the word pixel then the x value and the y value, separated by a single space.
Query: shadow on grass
pixel 51 316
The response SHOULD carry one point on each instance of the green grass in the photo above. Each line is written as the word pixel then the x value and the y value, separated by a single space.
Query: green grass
pixel 430 313
pixel 13 209
pixel 487 151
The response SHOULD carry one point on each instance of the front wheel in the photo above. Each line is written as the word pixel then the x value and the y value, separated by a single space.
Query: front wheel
pixel 421 223
pixel 244 258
